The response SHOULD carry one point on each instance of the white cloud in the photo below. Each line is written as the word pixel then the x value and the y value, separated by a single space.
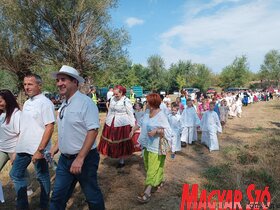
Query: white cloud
pixel 132 21
pixel 215 39
pixel 195 7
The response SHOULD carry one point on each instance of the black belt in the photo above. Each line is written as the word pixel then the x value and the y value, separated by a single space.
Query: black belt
pixel 70 157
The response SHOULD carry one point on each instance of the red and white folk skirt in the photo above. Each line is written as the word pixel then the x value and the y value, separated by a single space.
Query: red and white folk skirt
pixel 115 141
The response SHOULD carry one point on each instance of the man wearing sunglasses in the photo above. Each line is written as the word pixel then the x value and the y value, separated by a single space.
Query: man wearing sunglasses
pixel 78 123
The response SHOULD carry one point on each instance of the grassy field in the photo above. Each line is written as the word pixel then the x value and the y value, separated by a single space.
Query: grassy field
pixel 249 153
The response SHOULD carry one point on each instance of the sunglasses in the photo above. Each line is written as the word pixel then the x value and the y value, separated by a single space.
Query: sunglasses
pixel 61 113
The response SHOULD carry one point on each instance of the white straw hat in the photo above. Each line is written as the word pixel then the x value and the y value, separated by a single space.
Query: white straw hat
pixel 70 71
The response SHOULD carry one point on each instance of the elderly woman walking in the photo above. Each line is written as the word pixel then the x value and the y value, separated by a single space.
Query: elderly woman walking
pixel 153 125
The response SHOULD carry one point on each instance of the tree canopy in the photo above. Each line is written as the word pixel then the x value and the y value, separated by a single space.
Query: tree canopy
pixel 40 36
pixel 58 32
pixel 270 69
pixel 237 74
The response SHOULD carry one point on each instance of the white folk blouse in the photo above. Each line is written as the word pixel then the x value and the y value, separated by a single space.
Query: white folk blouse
pixel 121 111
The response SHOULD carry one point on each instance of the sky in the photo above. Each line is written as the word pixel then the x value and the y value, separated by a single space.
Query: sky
pixel 211 32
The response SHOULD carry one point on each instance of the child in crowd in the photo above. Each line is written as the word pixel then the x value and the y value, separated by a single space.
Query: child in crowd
pixel 224 109
pixel 216 108
pixel 138 113
pixel 183 98
pixel 181 106
pixel 189 123
pixel 238 106
pixel 202 108
pixel 174 121
pixel 210 125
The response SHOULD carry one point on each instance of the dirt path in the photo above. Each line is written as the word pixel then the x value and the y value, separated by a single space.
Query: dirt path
pixel 120 187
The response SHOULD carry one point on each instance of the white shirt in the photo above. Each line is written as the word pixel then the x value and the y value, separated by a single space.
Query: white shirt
pixel 139 115
pixel 80 115
pixel 210 122
pixel 109 95
pixel 189 118
pixel 9 132
pixel 158 121
pixel 192 96
pixel 122 111
pixel 164 108
pixel 37 112
pixel 174 121
pixel 166 100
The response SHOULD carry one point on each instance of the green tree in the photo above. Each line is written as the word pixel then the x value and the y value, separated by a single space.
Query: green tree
pixel 71 32
pixel 8 81
pixel 203 79
pixel 15 53
pixel 181 74
pixel 181 81
pixel 156 68
pixel 270 69
pixel 142 73
pixel 235 75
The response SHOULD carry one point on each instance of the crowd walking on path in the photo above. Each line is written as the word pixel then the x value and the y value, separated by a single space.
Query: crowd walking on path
pixel 155 130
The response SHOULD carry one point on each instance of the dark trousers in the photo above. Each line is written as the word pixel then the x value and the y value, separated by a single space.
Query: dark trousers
pixel 18 175
pixel 65 182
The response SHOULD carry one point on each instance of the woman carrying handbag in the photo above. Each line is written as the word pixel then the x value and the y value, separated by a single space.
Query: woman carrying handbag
pixel 155 131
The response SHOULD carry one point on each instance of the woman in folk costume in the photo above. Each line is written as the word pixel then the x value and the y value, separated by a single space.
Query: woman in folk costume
pixel 174 120
pixel 210 125
pixel 115 141
pixel 153 125
pixel 189 123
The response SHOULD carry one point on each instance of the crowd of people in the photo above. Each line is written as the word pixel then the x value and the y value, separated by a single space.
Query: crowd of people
pixel 152 129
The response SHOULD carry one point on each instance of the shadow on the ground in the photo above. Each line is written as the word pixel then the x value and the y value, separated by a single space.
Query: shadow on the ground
pixel 275 123
pixel 275 106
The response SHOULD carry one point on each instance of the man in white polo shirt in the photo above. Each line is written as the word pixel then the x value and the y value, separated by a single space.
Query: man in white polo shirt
pixel 36 128
pixel 78 123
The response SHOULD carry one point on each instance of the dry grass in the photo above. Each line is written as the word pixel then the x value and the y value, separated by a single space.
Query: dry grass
pixel 249 153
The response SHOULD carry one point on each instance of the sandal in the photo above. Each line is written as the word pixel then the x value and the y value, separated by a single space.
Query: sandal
pixel 155 189
pixel 144 198
pixel 161 184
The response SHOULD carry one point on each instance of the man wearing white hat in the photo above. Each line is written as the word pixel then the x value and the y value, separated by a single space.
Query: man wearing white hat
pixel 78 123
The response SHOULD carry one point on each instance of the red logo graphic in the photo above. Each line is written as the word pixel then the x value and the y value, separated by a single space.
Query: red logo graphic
pixel 224 199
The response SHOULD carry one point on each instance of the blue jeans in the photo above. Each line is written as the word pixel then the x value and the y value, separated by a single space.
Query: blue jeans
pixel 65 182
pixel 18 175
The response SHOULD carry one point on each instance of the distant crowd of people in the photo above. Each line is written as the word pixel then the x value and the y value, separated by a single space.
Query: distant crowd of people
pixel 152 129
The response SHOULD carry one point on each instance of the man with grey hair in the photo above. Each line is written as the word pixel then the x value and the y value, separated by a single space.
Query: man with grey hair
pixel 36 128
